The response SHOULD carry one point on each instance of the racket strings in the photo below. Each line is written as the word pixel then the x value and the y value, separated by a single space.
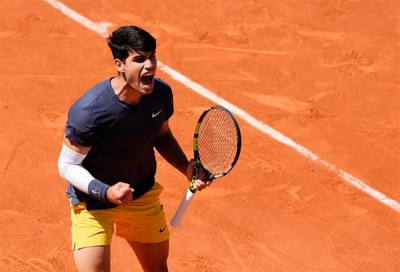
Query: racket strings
pixel 217 141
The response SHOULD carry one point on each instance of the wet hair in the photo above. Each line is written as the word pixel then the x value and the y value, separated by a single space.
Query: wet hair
pixel 127 39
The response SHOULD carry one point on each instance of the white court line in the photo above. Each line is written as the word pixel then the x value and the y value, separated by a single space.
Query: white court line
pixel 101 28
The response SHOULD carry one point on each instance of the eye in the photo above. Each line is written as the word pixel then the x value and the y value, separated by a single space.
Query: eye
pixel 142 58
pixel 139 59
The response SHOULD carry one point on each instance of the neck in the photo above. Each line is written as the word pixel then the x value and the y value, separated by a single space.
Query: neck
pixel 125 92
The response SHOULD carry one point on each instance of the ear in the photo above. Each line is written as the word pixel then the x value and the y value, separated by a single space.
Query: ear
pixel 119 65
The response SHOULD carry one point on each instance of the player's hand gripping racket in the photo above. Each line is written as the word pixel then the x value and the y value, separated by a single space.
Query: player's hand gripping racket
pixel 216 145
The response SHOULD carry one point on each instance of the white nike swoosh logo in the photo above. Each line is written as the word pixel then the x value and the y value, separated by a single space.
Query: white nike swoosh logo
pixel 155 114
pixel 95 192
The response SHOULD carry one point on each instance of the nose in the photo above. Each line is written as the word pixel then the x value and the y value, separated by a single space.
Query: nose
pixel 150 63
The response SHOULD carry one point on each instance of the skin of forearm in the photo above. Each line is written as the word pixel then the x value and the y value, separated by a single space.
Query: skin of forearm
pixel 170 150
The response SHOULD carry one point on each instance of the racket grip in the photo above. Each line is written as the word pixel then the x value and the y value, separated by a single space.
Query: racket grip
pixel 183 206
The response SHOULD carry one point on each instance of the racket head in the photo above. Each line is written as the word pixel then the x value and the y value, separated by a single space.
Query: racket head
pixel 217 142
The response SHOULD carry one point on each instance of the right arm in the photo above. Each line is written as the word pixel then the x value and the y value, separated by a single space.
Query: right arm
pixel 71 169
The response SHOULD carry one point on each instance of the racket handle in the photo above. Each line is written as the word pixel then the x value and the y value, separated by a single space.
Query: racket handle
pixel 180 212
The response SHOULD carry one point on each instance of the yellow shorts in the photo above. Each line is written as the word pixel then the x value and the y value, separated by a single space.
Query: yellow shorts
pixel 143 220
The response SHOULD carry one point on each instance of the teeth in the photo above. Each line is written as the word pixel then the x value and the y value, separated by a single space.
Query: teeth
pixel 148 74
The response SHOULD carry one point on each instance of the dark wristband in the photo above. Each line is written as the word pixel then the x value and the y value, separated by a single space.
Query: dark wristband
pixel 98 190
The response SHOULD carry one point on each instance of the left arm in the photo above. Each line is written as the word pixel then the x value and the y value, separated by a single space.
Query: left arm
pixel 171 151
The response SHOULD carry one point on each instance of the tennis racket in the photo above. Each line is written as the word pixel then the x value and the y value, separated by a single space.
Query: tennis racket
pixel 216 146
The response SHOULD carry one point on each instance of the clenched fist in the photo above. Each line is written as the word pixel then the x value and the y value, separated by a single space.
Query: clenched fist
pixel 120 194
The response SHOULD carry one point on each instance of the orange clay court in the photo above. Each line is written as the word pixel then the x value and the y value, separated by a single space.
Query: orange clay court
pixel 323 73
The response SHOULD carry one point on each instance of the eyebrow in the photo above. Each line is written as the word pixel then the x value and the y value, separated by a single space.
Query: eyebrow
pixel 143 53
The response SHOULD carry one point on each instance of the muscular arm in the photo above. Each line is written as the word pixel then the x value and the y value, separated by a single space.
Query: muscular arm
pixel 170 150
pixel 70 165
pixel 71 169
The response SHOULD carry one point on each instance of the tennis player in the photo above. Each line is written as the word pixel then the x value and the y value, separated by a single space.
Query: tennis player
pixel 108 158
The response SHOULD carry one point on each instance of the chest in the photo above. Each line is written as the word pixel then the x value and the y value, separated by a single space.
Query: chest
pixel 132 129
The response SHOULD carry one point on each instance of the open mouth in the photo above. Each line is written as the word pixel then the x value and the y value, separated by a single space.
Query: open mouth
pixel 147 79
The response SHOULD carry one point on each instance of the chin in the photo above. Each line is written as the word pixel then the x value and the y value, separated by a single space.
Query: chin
pixel 146 91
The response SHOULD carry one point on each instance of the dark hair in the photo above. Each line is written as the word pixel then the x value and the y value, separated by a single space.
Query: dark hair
pixel 128 39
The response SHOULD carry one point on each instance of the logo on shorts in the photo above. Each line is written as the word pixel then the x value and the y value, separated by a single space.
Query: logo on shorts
pixel 161 230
